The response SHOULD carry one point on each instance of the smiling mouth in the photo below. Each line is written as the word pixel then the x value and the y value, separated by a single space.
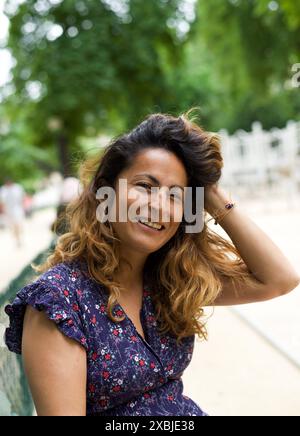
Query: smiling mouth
pixel 150 225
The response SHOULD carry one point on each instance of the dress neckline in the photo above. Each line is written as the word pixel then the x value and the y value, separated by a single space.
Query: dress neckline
pixel 82 265
pixel 145 288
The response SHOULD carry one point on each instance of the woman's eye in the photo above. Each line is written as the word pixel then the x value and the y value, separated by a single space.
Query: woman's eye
pixel 176 196
pixel 144 185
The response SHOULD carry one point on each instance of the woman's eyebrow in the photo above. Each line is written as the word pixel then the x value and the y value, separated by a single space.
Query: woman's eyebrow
pixel 156 181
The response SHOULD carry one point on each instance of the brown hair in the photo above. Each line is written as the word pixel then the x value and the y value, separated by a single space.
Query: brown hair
pixel 185 273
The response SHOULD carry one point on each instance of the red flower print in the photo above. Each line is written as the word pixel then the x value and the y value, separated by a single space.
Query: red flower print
pixel 141 362
pixel 105 374
pixel 66 293
pixel 103 403
pixel 170 397
pixel 79 292
pixel 133 338
pixel 75 307
pixel 94 356
pixel 58 316
pixel 119 313
pixel 169 367
pixel 147 395
pixel 92 388
pixel 83 340
pixel 116 388
pixel 152 365
pixel 115 332
pixel 94 321
pixel 70 322
pixel 107 356
pixel 102 308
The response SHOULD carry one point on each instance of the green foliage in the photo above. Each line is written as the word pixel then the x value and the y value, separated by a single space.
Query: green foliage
pixel 253 45
pixel 84 68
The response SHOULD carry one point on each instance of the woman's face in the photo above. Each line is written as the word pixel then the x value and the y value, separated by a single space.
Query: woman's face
pixel 153 167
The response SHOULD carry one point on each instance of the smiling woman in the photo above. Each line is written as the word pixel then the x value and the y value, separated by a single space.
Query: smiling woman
pixel 127 296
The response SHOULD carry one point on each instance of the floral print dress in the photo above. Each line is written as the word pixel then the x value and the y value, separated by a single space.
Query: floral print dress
pixel 127 375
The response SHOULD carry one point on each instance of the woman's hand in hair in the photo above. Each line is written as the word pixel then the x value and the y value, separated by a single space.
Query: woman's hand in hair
pixel 215 198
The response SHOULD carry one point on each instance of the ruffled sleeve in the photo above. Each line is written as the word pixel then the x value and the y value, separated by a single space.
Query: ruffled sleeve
pixel 57 303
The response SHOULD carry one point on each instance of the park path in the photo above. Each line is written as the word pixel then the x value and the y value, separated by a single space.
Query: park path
pixel 36 237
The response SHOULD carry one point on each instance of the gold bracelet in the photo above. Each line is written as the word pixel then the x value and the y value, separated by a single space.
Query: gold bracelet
pixel 221 213
pixel 221 217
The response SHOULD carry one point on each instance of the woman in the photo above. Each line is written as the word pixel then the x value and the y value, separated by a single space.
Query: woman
pixel 109 326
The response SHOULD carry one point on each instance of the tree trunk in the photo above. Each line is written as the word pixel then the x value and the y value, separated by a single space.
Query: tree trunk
pixel 63 153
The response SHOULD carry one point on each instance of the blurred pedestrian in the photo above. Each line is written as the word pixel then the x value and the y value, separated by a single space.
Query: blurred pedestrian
pixel 1 213
pixel 28 205
pixel 12 198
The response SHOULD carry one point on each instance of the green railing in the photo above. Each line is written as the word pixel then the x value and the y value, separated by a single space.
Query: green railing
pixel 15 398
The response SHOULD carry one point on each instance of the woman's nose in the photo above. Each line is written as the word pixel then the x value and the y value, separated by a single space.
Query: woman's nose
pixel 158 197
pixel 159 202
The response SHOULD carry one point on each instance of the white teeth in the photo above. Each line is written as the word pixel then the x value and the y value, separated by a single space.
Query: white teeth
pixel 150 224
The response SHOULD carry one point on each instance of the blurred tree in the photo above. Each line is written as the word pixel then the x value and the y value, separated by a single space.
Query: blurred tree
pixel 87 66
pixel 194 82
pixel 253 45
pixel 19 157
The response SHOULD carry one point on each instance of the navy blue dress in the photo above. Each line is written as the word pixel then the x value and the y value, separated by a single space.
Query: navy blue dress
pixel 127 375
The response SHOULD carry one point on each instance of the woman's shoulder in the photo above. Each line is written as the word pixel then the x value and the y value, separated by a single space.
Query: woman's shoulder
pixel 58 292
pixel 66 272
pixel 64 276
pixel 66 282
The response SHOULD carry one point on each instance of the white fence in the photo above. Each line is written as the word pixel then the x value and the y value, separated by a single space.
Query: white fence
pixel 262 159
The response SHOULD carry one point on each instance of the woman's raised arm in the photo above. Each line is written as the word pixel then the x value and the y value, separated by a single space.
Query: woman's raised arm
pixel 273 275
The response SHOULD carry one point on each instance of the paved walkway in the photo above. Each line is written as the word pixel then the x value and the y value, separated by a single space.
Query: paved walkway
pixel 237 373
pixel 36 237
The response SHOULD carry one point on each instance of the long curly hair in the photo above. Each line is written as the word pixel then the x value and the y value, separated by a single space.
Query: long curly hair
pixel 185 274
